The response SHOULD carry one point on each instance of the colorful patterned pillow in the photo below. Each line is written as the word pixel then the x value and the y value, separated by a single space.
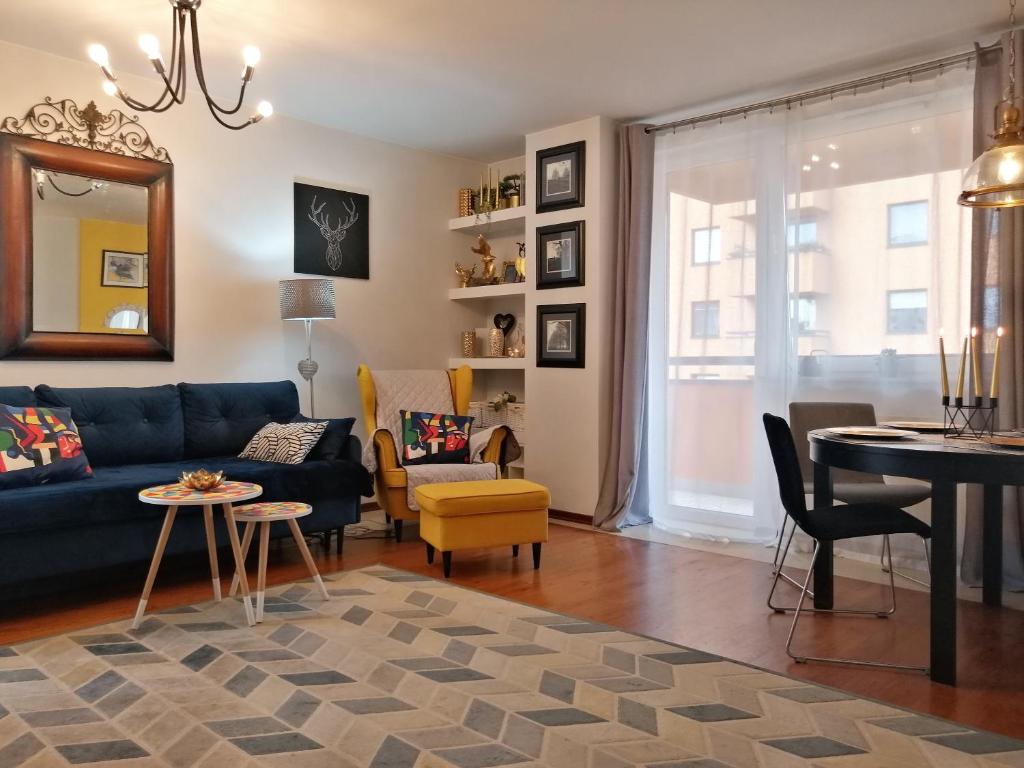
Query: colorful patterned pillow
pixel 39 445
pixel 284 443
pixel 435 438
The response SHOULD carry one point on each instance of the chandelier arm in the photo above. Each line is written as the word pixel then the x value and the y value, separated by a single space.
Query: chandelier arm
pixel 197 59
pixel 65 192
pixel 174 93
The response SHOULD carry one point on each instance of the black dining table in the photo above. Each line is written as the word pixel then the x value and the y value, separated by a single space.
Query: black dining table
pixel 945 463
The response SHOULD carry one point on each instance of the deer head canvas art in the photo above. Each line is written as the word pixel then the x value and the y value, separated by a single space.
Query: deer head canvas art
pixel 331 232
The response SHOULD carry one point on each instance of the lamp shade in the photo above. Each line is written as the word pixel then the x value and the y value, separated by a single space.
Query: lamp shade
pixel 307 299
pixel 996 178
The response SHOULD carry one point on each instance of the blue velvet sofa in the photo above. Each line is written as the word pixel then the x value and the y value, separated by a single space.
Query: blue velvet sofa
pixel 136 437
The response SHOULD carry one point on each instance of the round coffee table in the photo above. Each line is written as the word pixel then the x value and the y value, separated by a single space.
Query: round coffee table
pixel 264 513
pixel 177 495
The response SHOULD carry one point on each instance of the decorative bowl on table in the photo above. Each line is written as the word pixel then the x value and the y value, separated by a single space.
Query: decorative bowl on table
pixel 201 480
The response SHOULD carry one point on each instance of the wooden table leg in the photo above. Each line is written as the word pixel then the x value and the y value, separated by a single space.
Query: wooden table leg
pixel 300 542
pixel 154 566
pixel 211 548
pixel 823 595
pixel 943 579
pixel 246 543
pixel 992 546
pixel 236 549
pixel 261 577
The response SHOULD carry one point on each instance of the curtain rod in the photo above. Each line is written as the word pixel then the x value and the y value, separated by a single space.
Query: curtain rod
pixel 827 91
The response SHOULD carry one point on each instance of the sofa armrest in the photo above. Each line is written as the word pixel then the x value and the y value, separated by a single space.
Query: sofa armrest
pixel 492 453
pixel 353 449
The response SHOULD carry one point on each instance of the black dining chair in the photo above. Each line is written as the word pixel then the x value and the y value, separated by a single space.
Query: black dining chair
pixel 833 523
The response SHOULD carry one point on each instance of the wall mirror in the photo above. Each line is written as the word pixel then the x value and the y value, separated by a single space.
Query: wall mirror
pixel 86 246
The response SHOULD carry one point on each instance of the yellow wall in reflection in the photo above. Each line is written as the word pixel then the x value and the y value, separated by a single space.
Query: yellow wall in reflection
pixel 95 300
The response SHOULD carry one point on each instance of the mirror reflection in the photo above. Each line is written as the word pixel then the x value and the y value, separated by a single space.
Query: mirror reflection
pixel 89 260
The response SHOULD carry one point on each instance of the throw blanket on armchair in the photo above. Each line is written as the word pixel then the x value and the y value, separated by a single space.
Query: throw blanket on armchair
pixel 428 391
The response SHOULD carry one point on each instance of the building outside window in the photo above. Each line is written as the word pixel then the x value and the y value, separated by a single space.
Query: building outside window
pixel 707 245
pixel 990 307
pixel 907 312
pixel 802 235
pixel 704 320
pixel 908 224
pixel 805 311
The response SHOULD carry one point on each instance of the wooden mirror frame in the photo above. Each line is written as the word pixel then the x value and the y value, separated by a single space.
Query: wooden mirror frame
pixel 18 156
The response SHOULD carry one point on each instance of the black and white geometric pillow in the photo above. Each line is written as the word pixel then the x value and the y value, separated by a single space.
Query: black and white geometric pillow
pixel 284 443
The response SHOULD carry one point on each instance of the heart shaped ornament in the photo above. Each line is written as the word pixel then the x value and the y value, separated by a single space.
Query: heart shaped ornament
pixel 505 323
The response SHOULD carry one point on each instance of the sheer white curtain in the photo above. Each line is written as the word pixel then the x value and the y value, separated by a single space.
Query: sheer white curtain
pixel 809 254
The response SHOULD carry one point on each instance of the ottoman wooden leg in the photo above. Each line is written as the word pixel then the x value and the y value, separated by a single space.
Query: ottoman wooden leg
pixel 154 566
pixel 211 548
pixel 536 555
pixel 398 531
pixel 246 543
pixel 300 542
pixel 430 554
pixel 515 550
pixel 446 560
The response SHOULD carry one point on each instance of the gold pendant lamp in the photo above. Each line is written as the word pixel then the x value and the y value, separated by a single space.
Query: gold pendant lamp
pixel 996 178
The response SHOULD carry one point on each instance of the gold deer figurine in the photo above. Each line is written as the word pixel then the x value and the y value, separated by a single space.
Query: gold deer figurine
pixel 465 275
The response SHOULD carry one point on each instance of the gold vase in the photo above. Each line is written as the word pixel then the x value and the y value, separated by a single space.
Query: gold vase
pixel 469 343
pixel 496 343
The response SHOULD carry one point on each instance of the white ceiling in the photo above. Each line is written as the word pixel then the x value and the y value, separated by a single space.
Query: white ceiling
pixel 470 77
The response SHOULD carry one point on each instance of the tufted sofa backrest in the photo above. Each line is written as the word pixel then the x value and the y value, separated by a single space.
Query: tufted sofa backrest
pixel 123 425
pixel 221 418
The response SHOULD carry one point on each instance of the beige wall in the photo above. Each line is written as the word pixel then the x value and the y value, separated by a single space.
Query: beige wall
pixel 233 242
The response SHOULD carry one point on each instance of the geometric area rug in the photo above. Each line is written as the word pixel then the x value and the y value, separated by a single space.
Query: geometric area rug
pixel 398 670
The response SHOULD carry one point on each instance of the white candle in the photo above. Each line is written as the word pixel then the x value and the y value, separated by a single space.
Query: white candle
pixel 993 392
pixel 960 377
pixel 975 363
pixel 943 373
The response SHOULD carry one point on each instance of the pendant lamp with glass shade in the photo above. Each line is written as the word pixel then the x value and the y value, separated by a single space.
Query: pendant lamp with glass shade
pixel 996 178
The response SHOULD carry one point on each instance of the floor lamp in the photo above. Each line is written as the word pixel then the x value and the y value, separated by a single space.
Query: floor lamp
pixel 308 300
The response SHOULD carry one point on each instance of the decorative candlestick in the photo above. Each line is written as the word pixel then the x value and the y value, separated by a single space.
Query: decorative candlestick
pixel 993 392
pixel 960 376
pixel 943 373
pixel 975 366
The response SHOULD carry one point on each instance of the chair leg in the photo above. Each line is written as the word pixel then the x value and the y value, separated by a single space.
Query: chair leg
pixel 778 544
pixel 340 533
pixel 777 571
pixel 515 550
pixel 907 576
pixel 446 561
pixel 398 531
pixel 800 659
pixel 536 555
pixel 430 554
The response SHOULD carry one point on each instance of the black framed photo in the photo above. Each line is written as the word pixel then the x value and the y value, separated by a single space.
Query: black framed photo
pixel 123 269
pixel 560 252
pixel 332 232
pixel 560 176
pixel 561 335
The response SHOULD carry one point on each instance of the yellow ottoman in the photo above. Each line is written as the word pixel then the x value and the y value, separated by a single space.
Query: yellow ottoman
pixel 482 513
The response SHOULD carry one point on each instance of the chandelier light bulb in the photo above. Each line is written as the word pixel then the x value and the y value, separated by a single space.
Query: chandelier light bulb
pixel 265 109
pixel 109 88
pixel 1009 169
pixel 98 53
pixel 815 158
pixel 834 165
pixel 150 45
pixel 807 167
pixel 251 55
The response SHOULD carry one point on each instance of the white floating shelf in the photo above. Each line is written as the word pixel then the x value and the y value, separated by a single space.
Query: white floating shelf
pixel 488 363
pixel 487 291
pixel 504 222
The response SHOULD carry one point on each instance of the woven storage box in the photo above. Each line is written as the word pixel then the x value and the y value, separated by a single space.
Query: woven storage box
pixel 515 416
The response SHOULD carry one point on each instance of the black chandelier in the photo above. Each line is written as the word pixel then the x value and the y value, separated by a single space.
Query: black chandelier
pixel 42 177
pixel 183 14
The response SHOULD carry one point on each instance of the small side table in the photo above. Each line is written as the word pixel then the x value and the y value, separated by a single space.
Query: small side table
pixel 177 495
pixel 265 513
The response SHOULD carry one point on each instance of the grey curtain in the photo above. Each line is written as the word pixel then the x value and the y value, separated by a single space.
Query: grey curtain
pixel 997 262
pixel 624 497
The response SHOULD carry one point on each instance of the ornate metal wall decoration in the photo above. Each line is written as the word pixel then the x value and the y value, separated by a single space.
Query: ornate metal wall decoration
pixel 63 122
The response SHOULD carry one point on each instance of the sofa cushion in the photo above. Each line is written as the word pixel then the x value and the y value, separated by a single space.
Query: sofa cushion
pixel 334 441
pixel 220 419
pixel 123 425
pixel 435 438
pixel 284 443
pixel 39 446
pixel 19 396
pixel 112 496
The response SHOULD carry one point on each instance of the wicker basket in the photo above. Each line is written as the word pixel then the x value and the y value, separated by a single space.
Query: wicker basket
pixel 512 415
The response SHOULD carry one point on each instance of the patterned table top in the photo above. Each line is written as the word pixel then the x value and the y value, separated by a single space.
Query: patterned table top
pixel 177 495
pixel 266 511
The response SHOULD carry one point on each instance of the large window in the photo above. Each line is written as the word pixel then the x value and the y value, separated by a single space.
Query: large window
pixel 707 245
pixel 907 312
pixel 908 224
pixel 704 319
pixel 806 314
pixel 802 234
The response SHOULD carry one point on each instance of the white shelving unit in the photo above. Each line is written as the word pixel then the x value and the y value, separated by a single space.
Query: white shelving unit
pixel 489 363
pixel 495 224
pixel 484 292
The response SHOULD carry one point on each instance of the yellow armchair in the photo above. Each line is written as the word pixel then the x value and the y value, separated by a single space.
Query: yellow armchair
pixel 391 482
